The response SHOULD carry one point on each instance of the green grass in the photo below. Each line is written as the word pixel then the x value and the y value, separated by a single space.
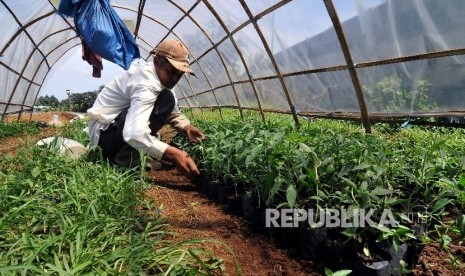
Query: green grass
pixel 16 129
pixel 64 217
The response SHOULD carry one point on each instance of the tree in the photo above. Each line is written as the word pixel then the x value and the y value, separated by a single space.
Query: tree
pixel 46 100
pixel 82 101
pixel 392 95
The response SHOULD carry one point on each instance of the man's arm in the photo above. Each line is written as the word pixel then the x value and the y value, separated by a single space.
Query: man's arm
pixel 136 133
pixel 183 125
pixel 183 162
pixel 193 133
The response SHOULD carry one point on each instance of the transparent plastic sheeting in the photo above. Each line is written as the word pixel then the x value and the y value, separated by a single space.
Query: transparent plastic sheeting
pixel 271 55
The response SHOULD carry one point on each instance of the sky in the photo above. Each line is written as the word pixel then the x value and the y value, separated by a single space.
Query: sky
pixel 71 72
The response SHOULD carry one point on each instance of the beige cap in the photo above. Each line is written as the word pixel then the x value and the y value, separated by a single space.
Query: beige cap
pixel 176 53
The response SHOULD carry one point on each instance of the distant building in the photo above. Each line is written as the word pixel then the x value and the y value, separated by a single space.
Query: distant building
pixel 41 108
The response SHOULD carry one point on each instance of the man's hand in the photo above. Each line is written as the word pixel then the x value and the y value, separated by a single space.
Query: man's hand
pixel 183 162
pixel 193 134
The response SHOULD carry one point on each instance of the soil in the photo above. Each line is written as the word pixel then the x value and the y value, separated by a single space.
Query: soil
pixel 41 117
pixel 192 216
pixel 9 145
pixel 435 261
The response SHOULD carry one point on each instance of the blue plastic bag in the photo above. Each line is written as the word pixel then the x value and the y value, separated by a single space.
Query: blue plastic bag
pixel 102 29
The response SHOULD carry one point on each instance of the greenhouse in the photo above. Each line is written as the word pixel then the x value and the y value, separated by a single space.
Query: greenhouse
pixel 320 137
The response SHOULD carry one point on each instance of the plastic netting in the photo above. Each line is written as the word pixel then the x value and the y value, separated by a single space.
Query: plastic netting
pixel 335 58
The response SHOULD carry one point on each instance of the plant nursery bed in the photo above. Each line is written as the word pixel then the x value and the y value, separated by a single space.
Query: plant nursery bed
pixel 193 212
pixel 429 259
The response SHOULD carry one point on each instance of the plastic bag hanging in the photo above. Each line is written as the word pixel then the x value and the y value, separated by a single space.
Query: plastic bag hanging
pixel 102 29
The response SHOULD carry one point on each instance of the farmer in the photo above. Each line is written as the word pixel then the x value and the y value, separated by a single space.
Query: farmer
pixel 132 108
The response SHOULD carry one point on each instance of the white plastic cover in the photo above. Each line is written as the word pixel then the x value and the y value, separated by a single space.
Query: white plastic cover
pixel 284 56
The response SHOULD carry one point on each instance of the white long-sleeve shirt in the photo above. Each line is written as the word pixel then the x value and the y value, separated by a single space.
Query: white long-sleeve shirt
pixel 138 89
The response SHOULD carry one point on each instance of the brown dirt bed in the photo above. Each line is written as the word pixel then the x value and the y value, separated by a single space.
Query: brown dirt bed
pixel 9 145
pixel 192 216
pixel 41 117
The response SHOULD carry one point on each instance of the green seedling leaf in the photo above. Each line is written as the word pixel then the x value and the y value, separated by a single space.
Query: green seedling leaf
pixel 350 182
pixel 35 172
pixel 444 241
pixel 350 232
pixel 343 272
pixel 404 268
pixel 396 243
pixel 404 217
pixel 362 166
pixel 411 236
pixel 461 183
pixel 440 204
pixel 330 169
pixel 402 230
pixel 385 232
pixel 305 148
pixel 278 181
pixel 380 191
pixel 364 186
pixel 382 228
pixel 410 175
pixel 291 195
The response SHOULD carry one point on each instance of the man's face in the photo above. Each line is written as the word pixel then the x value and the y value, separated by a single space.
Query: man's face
pixel 168 75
